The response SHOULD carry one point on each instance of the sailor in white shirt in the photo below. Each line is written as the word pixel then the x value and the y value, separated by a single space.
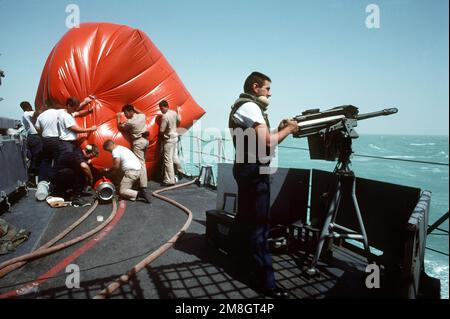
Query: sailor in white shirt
pixel 125 161
pixel 47 123
pixel 27 118
pixel 34 142
pixel 58 129
pixel 248 236
pixel 47 126
pixel 69 128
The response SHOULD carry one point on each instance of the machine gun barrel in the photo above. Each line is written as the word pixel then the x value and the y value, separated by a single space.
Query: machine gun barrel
pixel 330 132
pixel 314 121
pixel 375 114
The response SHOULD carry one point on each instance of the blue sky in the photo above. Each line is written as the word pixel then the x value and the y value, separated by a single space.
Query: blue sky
pixel 318 53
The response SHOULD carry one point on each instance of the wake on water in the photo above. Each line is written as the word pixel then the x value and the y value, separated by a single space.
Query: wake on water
pixel 374 147
pixel 422 144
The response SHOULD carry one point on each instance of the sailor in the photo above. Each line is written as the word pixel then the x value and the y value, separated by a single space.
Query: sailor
pixel 247 119
pixel 74 172
pixel 58 130
pixel 125 162
pixel 136 129
pixel 68 126
pixel 34 142
pixel 169 137
pixel 47 126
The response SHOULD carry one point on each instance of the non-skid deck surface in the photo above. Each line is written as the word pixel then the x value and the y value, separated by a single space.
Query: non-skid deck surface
pixel 191 269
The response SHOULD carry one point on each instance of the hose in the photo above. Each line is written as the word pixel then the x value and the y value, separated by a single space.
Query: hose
pixel 150 258
pixel 6 270
pixel 47 251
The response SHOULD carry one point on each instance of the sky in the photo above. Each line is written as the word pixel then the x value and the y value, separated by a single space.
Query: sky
pixel 319 54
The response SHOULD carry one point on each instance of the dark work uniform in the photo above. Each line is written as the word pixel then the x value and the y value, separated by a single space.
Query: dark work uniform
pixel 34 153
pixel 69 175
pixel 251 225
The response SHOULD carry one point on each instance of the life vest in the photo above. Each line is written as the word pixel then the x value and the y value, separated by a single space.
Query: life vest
pixel 233 124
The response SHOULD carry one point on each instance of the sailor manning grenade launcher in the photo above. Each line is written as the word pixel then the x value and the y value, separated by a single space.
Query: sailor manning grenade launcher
pixel 330 132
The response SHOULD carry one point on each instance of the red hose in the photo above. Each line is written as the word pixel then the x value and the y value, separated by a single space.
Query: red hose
pixel 6 270
pixel 150 258
pixel 47 251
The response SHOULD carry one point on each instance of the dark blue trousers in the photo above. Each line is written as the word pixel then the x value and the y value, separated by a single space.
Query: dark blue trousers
pixel 251 225
pixel 52 149
pixel 34 153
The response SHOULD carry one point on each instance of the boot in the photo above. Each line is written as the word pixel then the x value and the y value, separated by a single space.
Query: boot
pixel 179 171
pixel 142 194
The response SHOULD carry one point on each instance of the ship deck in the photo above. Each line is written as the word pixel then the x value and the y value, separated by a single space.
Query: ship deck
pixel 193 268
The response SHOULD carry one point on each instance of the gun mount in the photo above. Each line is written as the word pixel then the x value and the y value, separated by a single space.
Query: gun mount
pixel 330 134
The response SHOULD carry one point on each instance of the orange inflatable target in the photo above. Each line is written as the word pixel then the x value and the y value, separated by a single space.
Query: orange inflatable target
pixel 118 65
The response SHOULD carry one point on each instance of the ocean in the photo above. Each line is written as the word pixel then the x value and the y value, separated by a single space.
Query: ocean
pixel 293 153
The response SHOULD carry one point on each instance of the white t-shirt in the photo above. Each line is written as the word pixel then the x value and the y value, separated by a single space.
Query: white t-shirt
pixel 26 120
pixel 48 123
pixel 66 120
pixel 127 158
pixel 248 114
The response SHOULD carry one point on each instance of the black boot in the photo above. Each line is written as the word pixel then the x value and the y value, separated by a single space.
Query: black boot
pixel 142 194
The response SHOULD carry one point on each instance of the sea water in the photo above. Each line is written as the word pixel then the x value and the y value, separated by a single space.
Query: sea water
pixel 294 153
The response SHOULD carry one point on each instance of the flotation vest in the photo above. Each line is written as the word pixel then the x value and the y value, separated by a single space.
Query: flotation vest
pixel 233 124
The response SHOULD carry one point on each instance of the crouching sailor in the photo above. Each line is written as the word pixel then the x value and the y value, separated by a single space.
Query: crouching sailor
pixel 125 162
pixel 74 173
